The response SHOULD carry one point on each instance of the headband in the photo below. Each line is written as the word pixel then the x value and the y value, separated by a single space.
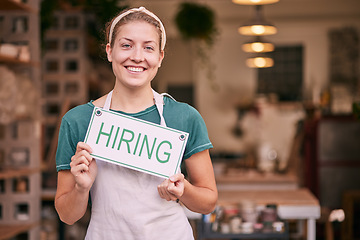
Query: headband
pixel 144 10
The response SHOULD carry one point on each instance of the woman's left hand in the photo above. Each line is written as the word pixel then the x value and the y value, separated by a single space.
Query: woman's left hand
pixel 173 188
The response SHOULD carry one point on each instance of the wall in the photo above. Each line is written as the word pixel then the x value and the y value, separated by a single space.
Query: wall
pixel 298 22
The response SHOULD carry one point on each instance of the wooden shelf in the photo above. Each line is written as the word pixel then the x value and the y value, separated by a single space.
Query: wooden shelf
pixel 14 173
pixel 205 232
pixel 12 5
pixel 262 197
pixel 48 194
pixel 9 231
pixel 12 60
pixel 236 179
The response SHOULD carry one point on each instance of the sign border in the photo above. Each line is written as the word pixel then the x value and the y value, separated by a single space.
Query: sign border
pixel 142 121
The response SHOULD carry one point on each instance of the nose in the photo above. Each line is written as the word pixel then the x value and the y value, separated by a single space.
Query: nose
pixel 137 54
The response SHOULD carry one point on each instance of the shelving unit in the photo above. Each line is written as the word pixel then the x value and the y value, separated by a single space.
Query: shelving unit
pixel 13 5
pixel 16 173
pixel 205 232
pixel 65 72
pixel 20 180
pixel 8 231
pixel 20 139
pixel 10 60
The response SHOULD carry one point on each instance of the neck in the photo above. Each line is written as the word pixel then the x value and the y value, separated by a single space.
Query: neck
pixel 131 100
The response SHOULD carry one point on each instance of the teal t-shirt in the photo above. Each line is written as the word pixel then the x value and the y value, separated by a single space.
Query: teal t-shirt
pixel 180 116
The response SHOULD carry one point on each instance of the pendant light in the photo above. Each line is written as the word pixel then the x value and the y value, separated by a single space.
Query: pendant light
pixel 260 62
pixel 254 2
pixel 257 26
pixel 257 46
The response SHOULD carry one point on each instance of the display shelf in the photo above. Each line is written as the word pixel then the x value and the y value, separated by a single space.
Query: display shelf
pixel 13 60
pixel 13 5
pixel 14 173
pixel 236 179
pixel 299 204
pixel 205 232
pixel 48 194
pixel 9 231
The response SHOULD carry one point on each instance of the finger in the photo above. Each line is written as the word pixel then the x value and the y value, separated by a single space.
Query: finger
pixel 174 192
pixel 177 180
pixel 169 196
pixel 176 186
pixel 162 189
pixel 81 167
pixel 164 193
pixel 79 160
pixel 83 146
pixel 171 186
pixel 78 169
pixel 85 154
pixel 177 177
pixel 81 157
pixel 172 197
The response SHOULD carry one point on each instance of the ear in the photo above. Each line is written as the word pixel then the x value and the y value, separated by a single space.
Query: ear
pixel 162 55
pixel 108 52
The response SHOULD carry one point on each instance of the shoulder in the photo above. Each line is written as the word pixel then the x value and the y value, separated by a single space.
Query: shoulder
pixel 179 114
pixel 79 111
pixel 180 107
pixel 75 123
pixel 79 115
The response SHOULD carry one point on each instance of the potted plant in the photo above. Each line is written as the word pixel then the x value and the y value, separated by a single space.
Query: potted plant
pixel 196 22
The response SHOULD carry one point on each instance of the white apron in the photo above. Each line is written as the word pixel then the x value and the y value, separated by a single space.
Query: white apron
pixel 126 204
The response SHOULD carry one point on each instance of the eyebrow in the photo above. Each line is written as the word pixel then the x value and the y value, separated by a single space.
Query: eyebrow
pixel 130 40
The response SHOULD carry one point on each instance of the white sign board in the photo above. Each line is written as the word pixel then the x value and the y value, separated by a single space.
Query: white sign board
pixel 135 143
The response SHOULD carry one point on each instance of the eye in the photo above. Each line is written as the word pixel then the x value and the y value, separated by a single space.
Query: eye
pixel 125 45
pixel 150 48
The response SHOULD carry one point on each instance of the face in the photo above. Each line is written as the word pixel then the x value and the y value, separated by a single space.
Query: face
pixel 135 55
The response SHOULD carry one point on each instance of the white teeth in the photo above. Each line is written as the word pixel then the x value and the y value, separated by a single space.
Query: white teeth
pixel 135 69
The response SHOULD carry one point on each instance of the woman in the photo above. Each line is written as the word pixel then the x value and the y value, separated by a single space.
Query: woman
pixel 127 204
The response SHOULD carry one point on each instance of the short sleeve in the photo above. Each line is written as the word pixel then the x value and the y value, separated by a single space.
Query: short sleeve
pixel 198 135
pixel 66 147
pixel 72 130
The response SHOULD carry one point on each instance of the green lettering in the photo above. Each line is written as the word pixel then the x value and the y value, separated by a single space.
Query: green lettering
pixel 147 147
pixel 137 142
pixel 122 139
pixel 165 153
pixel 106 134
pixel 117 132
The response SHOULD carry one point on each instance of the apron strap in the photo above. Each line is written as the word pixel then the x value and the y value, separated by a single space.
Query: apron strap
pixel 108 101
pixel 159 102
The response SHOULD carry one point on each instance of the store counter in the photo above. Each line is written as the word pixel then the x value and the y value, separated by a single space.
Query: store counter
pixel 254 180
pixel 299 204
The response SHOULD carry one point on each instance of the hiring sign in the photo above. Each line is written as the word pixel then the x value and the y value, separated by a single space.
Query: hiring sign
pixel 135 143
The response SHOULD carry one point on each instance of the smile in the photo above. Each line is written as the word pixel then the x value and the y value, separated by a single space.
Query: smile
pixel 135 69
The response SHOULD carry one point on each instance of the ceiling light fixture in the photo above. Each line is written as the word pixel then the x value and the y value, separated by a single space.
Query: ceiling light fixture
pixel 260 62
pixel 254 2
pixel 257 26
pixel 258 46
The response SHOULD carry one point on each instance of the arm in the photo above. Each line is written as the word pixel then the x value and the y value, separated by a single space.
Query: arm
pixel 72 193
pixel 199 194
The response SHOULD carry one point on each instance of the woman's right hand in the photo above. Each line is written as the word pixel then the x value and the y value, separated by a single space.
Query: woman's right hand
pixel 83 167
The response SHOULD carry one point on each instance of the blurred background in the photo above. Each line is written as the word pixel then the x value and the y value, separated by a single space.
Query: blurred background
pixel 277 83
